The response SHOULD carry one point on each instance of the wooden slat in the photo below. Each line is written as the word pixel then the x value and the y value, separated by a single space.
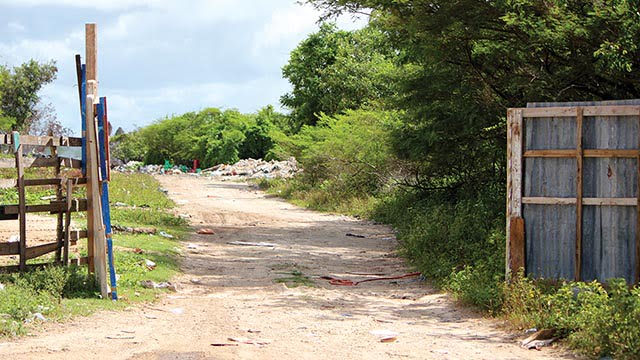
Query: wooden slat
pixel 42 182
pixel 10 248
pixel 579 188
pixel 54 207
pixel 8 216
pixel 610 201
pixel 516 245
pixel 585 201
pixel 590 153
pixel 29 163
pixel 548 201
pixel 570 111
pixel 21 208
pixel 514 175
pixel 550 153
pixel 611 153
pixel 39 250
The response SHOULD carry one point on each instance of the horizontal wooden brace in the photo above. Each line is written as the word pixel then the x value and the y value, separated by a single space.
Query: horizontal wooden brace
pixel 10 248
pixel 585 201
pixel 592 153
pixel 6 139
pixel 56 206
pixel 29 162
pixel 571 111
pixel 39 250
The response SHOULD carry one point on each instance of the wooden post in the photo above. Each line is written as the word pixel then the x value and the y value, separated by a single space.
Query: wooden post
pixel 579 180
pixel 22 206
pixel 515 222
pixel 95 225
pixel 67 223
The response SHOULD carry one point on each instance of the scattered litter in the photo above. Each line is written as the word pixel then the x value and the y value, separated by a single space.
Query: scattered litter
pixel 149 284
pixel 14 238
pixel 347 282
pixel 196 281
pixel 192 246
pixel 38 316
pixel 385 335
pixel 120 337
pixel 539 339
pixel 529 331
pixel 245 243
pixel 356 235
pixel 166 235
pixel 149 264
pixel 163 190
pixel 247 168
pixel 128 331
pixel 177 311
pixel 206 231
pixel 137 230
pixel 248 341
pixel 223 344
pixel 383 321
pixel 120 204
pixel 184 216
pixel 150 316
pixel 443 352
pixel 253 331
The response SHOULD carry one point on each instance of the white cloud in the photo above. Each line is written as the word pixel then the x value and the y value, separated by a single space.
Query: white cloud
pixel 285 26
pixel 15 26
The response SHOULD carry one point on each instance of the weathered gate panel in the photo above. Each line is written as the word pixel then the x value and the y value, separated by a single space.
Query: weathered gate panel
pixel 573 180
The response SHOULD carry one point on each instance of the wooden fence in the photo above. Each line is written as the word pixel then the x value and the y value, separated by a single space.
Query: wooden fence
pixel 572 190
pixel 49 155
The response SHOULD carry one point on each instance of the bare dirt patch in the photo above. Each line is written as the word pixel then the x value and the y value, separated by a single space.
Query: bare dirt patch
pixel 230 305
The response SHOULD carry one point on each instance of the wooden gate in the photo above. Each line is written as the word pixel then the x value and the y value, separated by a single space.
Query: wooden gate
pixel 572 190
pixel 44 152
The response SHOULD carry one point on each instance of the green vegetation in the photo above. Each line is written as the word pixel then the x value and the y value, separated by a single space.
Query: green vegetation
pixel 58 293
pixel 20 107
pixel 211 136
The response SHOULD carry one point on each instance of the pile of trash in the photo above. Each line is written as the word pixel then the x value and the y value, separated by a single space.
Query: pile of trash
pixel 248 168
pixel 256 169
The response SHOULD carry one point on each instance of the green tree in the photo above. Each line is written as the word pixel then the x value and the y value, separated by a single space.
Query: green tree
pixel 19 89
pixel 334 70
pixel 463 62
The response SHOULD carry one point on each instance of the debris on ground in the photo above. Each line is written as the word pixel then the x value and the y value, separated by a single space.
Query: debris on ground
pixel 165 235
pixel 539 339
pixel 149 264
pixel 356 235
pixel 244 340
pixel 246 243
pixel 247 168
pixel 206 231
pixel 347 282
pixel 149 284
pixel 134 230
pixel 385 335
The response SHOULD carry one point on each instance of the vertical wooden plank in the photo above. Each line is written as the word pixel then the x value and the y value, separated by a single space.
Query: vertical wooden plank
pixel 95 226
pixel 579 187
pixel 637 277
pixel 58 186
pixel 514 180
pixel 22 206
pixel 67 224
pixel 91 48
pixel 517 245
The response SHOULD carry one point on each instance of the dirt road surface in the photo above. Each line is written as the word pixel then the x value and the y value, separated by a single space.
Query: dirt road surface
pixel 229 291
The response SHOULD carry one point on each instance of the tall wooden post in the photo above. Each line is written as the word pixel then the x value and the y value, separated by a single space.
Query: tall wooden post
pixel 95 226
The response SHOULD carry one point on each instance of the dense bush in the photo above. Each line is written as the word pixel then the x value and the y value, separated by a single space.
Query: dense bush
pixel 211 136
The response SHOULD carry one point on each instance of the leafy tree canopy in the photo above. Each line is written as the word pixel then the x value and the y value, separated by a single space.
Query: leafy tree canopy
pixel 334 70
pixel 19 89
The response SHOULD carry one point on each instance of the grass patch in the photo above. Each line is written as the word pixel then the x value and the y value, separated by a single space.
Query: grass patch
pixel 59 293
pixel 294 275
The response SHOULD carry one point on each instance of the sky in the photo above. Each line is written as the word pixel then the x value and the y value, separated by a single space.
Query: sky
pixel 158 58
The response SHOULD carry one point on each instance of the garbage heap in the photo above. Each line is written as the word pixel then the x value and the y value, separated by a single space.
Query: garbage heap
pixel 247 169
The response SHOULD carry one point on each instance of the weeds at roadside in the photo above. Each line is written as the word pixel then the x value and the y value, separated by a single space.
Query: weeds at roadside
pixel 295 276
pixel 57 293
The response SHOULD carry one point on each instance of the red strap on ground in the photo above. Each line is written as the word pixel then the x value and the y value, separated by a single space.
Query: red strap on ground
pixel 346 282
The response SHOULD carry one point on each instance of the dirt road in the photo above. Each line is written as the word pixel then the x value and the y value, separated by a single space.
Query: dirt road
pixel 228 291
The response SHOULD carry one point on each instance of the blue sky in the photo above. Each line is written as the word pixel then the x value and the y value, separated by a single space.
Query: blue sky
pixel 161 57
